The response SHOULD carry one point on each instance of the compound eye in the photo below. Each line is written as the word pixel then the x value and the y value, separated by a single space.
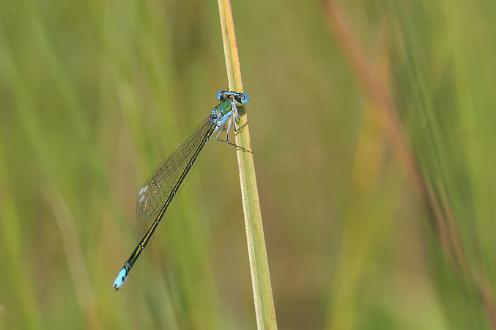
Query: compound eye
pixel 244 98
pixel 219 95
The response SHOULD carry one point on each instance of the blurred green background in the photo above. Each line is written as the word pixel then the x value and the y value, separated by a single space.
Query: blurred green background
pixel 93 94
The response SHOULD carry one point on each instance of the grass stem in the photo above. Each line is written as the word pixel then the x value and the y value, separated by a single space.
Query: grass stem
pixel 259 266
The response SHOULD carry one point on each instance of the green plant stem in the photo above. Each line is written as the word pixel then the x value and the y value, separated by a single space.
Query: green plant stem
pixel 259 266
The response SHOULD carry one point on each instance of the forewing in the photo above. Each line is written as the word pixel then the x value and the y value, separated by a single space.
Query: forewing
pixel 156 190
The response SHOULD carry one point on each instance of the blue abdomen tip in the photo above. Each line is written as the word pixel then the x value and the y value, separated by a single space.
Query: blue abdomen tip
pixel 121 277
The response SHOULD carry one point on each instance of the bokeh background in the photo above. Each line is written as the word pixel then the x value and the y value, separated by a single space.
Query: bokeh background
pixel 93 95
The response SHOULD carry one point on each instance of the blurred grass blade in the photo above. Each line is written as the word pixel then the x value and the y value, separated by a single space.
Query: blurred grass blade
pixel 16 276
pixel 447 234
pixel 75 259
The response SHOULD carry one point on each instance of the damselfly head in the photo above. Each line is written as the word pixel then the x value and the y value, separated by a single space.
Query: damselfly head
pixel 241 98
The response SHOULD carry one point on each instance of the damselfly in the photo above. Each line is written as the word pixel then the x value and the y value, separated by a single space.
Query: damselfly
pixel 157 193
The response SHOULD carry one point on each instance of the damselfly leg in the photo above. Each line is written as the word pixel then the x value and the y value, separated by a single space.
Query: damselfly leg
pixel 232 124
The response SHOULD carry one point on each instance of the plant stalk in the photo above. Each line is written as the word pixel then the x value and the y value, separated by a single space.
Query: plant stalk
pixel 259 266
